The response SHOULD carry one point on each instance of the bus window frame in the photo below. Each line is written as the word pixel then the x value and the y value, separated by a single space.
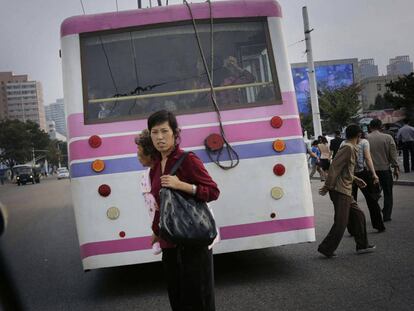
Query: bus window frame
pixel 268 42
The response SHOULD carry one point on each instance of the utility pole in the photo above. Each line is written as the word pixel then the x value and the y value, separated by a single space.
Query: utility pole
pixel 316 116
pixel 33 156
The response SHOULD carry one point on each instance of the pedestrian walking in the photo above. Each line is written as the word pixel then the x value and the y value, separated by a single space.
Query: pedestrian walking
pixel 384 157
pixel 189 270
pixel 405 136
pixel 339 185
pixel 335 143
pixel 325 157
pixel 314 161
pixel 364 169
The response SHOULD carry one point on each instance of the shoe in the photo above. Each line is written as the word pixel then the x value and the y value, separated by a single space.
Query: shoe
pixel 380 230
pixel 327 255
pixel 368 249
pixel 386 219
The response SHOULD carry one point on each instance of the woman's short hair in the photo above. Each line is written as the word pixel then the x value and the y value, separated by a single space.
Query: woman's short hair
pixel 323 140
pixel 162 116
pixel 144 140
pixel 315 143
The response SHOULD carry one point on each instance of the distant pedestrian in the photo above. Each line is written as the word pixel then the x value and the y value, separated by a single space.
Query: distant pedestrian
pixel 405 135
pixel 2 176
pixel 336 143
pixel 325 157
pixel 339 185
pixel 384 156
pixel 314 161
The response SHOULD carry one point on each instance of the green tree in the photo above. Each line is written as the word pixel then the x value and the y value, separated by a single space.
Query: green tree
pixel 17 140
pixel 338 107
pixel 381 103
pixel 401 95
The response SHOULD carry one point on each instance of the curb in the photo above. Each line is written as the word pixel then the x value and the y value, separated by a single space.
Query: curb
pixel 403 182
pixel 396 182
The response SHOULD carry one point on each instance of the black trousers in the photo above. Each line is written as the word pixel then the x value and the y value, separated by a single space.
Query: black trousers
pixel 372 194
pixel 408 149
pixel 346 211
pixel 385 179
pixel 190 278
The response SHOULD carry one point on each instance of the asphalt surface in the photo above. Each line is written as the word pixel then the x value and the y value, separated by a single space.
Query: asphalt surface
pixel 42 255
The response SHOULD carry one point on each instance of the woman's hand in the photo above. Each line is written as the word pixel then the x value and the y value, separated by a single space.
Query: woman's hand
pixel 169 181
pixel 154 239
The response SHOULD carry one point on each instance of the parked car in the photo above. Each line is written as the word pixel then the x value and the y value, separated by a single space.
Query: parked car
pixel 62 172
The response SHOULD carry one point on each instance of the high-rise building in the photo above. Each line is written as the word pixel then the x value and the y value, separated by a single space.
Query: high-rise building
pixel 25 102
pixel 400 65
pixel 7 77
pixel 56 112
pixel 367 68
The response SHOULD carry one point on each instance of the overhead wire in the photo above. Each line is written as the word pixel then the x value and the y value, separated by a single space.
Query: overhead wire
pixel 83 8
pixel 232 154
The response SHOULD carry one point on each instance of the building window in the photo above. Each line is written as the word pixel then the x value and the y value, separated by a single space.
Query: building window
pixel 379 87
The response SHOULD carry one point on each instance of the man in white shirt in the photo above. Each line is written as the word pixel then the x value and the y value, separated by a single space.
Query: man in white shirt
pixel 405 135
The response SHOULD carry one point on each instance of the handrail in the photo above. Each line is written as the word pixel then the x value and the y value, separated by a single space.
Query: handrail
pixel 176 93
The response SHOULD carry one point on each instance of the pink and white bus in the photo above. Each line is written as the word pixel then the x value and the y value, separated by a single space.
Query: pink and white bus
pixel 120 67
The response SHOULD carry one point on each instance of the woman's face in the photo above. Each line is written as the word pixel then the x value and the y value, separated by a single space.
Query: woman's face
pixel 162 137
pixel 145 160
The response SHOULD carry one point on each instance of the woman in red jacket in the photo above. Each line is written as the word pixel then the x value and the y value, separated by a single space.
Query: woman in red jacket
pixel 189 270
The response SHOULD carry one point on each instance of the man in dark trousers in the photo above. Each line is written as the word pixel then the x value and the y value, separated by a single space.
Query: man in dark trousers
pixel 339 185
pixel 384 156
pixel 336 143
pixel 405 135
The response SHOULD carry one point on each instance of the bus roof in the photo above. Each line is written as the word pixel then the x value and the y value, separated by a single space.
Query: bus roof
pixel 167 14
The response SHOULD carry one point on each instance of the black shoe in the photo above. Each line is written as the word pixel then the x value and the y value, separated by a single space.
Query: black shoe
pixel 327 255
pixel 381 230
pixel 386 219
pixel 368 249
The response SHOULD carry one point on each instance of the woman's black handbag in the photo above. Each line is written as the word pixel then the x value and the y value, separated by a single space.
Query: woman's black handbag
pixel 185 221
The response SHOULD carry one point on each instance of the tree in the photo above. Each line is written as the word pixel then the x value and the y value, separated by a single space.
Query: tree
pixel 380 103
pixel 401 95
pixel 17 140
pixel 338 107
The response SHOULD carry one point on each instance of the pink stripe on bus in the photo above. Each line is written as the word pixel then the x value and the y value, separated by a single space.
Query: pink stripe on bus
pixel 192 137
pixel 168 14
pixel 77 128
pixel 226 233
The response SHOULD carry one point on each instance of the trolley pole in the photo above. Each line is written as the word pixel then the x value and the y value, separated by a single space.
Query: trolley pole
pixel 316 116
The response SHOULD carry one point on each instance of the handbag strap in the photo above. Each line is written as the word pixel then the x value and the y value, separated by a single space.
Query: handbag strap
pixel 178 163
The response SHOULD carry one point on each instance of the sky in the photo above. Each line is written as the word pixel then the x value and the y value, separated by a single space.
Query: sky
pixel 379 29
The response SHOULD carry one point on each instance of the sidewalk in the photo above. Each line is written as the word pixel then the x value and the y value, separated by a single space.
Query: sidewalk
pixel 406 179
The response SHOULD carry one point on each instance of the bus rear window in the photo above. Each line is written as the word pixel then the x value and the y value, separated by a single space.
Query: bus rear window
pixel 130 74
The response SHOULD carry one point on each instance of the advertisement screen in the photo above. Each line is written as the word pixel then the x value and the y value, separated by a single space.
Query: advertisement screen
pixel 331 76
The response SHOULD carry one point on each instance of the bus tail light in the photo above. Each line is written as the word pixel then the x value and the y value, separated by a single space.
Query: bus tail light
pixel 279 145
pixel 276 122
pixel 98 166
pixel 95 141
pixel 104 190
pixel 279 169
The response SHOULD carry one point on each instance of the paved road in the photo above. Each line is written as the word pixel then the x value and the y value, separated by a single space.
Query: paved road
pixel 43 255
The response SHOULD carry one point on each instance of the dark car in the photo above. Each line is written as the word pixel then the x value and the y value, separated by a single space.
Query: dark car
pixel 26 174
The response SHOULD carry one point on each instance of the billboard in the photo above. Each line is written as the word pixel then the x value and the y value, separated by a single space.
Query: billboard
pixel 327 76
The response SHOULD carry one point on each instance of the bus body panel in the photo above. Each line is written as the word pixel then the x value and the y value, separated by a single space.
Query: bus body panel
pixel 247 215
